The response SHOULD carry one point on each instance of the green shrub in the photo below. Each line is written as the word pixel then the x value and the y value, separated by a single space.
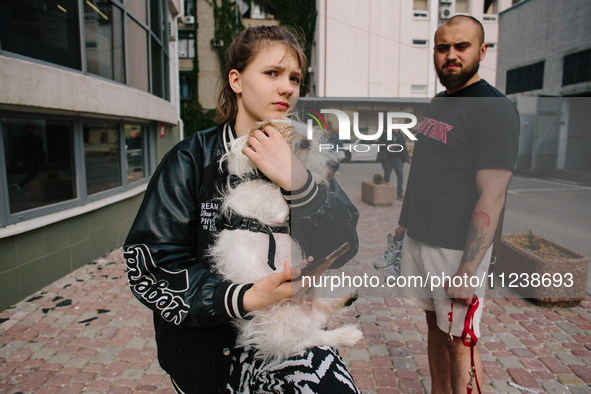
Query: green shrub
pixel 378 179
pixel 532 240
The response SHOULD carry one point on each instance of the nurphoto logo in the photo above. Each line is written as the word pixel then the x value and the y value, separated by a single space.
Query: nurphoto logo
pixel 391 119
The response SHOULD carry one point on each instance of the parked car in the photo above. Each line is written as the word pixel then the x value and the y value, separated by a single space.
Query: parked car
pixel 360 150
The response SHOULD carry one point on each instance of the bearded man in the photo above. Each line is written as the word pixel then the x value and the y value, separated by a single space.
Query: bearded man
pixel 462 165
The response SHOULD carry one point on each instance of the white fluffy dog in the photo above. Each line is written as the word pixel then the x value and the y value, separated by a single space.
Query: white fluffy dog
pixel 291 326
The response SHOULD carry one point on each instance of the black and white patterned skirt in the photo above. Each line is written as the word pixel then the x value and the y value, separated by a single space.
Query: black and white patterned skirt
pixel 317 370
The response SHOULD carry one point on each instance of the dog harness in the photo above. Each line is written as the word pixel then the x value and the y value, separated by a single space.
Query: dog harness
pixel 234 221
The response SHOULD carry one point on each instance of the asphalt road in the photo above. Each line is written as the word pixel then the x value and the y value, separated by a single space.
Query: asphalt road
pixel 556 209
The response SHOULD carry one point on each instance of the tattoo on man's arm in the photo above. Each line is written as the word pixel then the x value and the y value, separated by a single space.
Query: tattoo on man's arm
pixel 476 235
pixel 481 217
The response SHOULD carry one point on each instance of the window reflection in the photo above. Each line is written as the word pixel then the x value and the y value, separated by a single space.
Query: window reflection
pixel 137 8
pixel 137 55
pixel 39 162
pixel 101 155
pixel 104 39
pixel 46 30
pixel 156 69
pixel 134 152
pixel 156 20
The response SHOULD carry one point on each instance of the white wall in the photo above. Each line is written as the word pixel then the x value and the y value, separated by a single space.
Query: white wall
pixel 365 48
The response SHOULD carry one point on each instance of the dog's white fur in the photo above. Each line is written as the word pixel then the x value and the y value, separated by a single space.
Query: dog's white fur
pixel 291 326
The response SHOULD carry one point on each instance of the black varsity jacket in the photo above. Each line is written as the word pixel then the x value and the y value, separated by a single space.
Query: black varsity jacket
pixel 169 271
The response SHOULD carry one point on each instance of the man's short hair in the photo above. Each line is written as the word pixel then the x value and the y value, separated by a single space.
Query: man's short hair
pixel 457 19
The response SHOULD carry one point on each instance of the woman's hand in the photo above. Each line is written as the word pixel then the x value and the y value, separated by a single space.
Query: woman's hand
pixel 269 151
pixel 270 290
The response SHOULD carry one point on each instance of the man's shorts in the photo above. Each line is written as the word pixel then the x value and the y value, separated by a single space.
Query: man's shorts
pixel 419 259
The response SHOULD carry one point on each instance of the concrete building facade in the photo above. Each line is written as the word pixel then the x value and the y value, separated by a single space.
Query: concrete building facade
pixel 545 66
pixel 88 106
pixel 384 48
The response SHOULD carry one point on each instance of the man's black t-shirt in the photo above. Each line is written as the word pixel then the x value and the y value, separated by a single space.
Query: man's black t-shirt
pixel 473 129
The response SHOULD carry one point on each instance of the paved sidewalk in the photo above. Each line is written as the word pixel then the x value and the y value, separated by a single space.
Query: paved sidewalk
pixel 87 333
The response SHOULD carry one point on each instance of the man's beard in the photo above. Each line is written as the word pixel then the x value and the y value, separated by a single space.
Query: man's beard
pixel 453 82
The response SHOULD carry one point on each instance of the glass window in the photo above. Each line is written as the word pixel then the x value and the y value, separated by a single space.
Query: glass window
pixel 419 5
pixel 166 77
pixel 159 54
pixel 138 9
pixel 103 23
pixel 187 47
pixel 156 21
pixel 43 170
pixel 39 162
pixel 45 30
pixel 156 69
pixel 524 79
pixel 137 55
pixel 134 152
pixel 577 68
pixel 101 155
pixel 463 6
pixel 187 86
pixel 491 7
pixel 190 8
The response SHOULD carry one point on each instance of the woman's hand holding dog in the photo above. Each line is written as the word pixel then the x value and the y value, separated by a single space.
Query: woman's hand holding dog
pixel 269 151
pixel 270 290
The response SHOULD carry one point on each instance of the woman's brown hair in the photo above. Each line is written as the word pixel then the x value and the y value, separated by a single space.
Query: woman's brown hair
pixel 241 52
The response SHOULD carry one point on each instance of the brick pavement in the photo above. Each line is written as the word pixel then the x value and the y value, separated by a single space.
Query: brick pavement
pixel 86 332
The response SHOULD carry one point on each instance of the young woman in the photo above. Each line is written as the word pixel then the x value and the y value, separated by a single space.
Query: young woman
pixel 168 269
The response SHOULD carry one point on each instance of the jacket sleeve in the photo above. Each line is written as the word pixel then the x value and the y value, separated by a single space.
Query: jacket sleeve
pixel 164 270
pixel 322 219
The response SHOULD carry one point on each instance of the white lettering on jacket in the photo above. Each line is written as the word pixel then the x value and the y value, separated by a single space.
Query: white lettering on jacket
pixel 141 275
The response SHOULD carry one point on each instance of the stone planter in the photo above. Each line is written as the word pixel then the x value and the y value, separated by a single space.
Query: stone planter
pixel 378 195
pixel 518 264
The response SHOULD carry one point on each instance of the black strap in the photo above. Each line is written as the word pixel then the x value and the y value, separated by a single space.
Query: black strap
pixel 233 221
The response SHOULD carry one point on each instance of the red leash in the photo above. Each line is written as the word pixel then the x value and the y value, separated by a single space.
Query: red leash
pixel 468 330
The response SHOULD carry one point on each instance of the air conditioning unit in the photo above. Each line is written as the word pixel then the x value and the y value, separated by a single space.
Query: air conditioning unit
pixel 189 20
pixel 446 9
pixel 445 14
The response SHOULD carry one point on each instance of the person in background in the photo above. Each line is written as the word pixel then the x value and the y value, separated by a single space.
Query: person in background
pixel 134 141
pixel 338 145
pixel 393 155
